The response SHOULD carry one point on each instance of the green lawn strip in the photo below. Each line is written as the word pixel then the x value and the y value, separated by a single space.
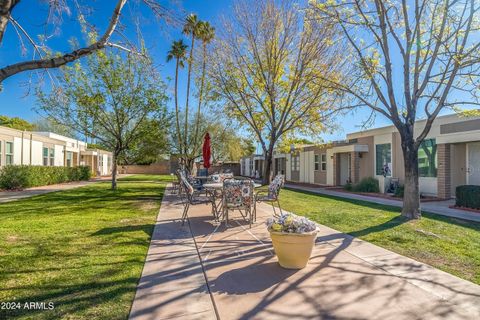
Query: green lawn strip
pixel 450 244
pixel 82 249
pixel 148 177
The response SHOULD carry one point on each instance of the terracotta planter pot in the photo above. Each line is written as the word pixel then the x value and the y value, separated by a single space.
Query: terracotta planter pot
pixel 293 249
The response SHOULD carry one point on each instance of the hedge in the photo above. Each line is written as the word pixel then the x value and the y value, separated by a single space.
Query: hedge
pixel 468 196
pixel 367 184
pixel 20 177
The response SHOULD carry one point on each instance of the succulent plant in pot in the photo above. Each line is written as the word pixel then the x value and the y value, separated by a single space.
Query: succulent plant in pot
pixel 293 238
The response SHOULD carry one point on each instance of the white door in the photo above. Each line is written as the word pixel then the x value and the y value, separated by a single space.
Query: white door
pixel 473 165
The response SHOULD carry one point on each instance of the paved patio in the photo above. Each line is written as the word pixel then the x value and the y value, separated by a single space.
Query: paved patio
pixel 204 271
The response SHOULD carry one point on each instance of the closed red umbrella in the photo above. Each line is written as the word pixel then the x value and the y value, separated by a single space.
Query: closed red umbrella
pixel 206 152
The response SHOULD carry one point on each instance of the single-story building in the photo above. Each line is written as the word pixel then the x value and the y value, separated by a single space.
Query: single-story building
pixel 49 149
pixel 448 157
pixel 252 166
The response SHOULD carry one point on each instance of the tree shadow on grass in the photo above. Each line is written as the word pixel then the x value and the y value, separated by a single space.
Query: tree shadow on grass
pixel 147 228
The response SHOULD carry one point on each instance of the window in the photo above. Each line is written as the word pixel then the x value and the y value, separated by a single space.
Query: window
pixel 317 162
pixel 295 163
pixel 8 152
pixel 52 157
pixel 45 156
pixel 383 159
pixel 324 162
pixel 427 158
pixel 69 158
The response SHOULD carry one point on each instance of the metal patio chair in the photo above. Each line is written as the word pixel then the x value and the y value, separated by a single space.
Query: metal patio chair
pixel 190 197
pixel 237 194
pixel 272 195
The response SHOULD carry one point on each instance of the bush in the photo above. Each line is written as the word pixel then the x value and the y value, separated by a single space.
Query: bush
pixel 399 192
pixel 368 184
pixel 20 177
pixel 468 196
pixel 348 187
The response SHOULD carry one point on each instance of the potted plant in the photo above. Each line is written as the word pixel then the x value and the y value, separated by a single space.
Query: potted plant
pixel 293 238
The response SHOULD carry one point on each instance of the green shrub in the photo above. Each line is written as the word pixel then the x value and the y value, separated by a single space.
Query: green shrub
pixel 399 192
pixel 468 196
pixel 348 187
pixel 20 177
pixel 367 184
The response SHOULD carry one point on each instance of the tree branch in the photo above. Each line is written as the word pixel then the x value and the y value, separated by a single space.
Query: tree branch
pixel 56 62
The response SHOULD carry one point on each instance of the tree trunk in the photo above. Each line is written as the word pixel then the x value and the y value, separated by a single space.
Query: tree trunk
pixel 190 62
pixel 200 96
pixel 114 171
pixel 411 197
pixel 267 167
pixel 177 122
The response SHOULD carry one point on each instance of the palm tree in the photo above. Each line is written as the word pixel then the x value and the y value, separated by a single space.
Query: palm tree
pixel 190 28
pixel 178 52
pixel 206 33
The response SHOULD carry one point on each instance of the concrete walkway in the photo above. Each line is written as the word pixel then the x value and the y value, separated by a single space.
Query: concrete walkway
pixel 437 207
pixel 7 196
pixel 205 271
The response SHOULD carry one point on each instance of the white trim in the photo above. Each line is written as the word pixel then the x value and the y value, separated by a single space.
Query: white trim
pixel 351 148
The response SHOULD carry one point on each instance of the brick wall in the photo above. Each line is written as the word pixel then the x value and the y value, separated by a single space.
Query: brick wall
pixel 443 172
pixel 163 167
pixel 354 167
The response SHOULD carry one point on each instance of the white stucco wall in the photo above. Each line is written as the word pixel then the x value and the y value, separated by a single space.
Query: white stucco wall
pixel 428 186
pixel 105 168
pixel 17 150
pixel 330 173
pixel 37 153
pixel 288 167
pixel 58 156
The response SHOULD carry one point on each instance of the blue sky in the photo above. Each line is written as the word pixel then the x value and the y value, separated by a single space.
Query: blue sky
pixel 16 100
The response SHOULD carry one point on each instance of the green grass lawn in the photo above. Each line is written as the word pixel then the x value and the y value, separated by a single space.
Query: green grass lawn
pixel 452 245
pixel 81 249
pixel 149 177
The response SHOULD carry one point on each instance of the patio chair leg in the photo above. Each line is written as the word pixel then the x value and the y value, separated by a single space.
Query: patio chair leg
pixel 225 214
pixel 274 211
pixel 185 211
pixel 255 211
pixel 251 217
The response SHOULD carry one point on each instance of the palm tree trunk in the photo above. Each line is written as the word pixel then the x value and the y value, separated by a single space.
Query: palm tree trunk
pixel 190 60
pixel 179 133
pixel 200 98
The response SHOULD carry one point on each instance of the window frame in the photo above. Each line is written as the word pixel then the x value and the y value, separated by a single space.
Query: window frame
pixel 9 155
pixel 377 168
pixel 316 162
pixel 323 161
pixel 45 158
pixel 51 156
pixel 67 159
pixel 295 163
pixel 433 142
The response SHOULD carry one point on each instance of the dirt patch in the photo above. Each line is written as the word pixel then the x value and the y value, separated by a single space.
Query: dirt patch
pixel 428 233
pixel 148 205
pixel 13 239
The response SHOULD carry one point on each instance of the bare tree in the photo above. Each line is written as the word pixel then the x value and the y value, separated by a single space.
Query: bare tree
pixel 42 57
pixel 413 58
pixel 270 60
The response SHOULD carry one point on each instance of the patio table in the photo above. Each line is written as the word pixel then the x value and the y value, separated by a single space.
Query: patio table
pixel 214 190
